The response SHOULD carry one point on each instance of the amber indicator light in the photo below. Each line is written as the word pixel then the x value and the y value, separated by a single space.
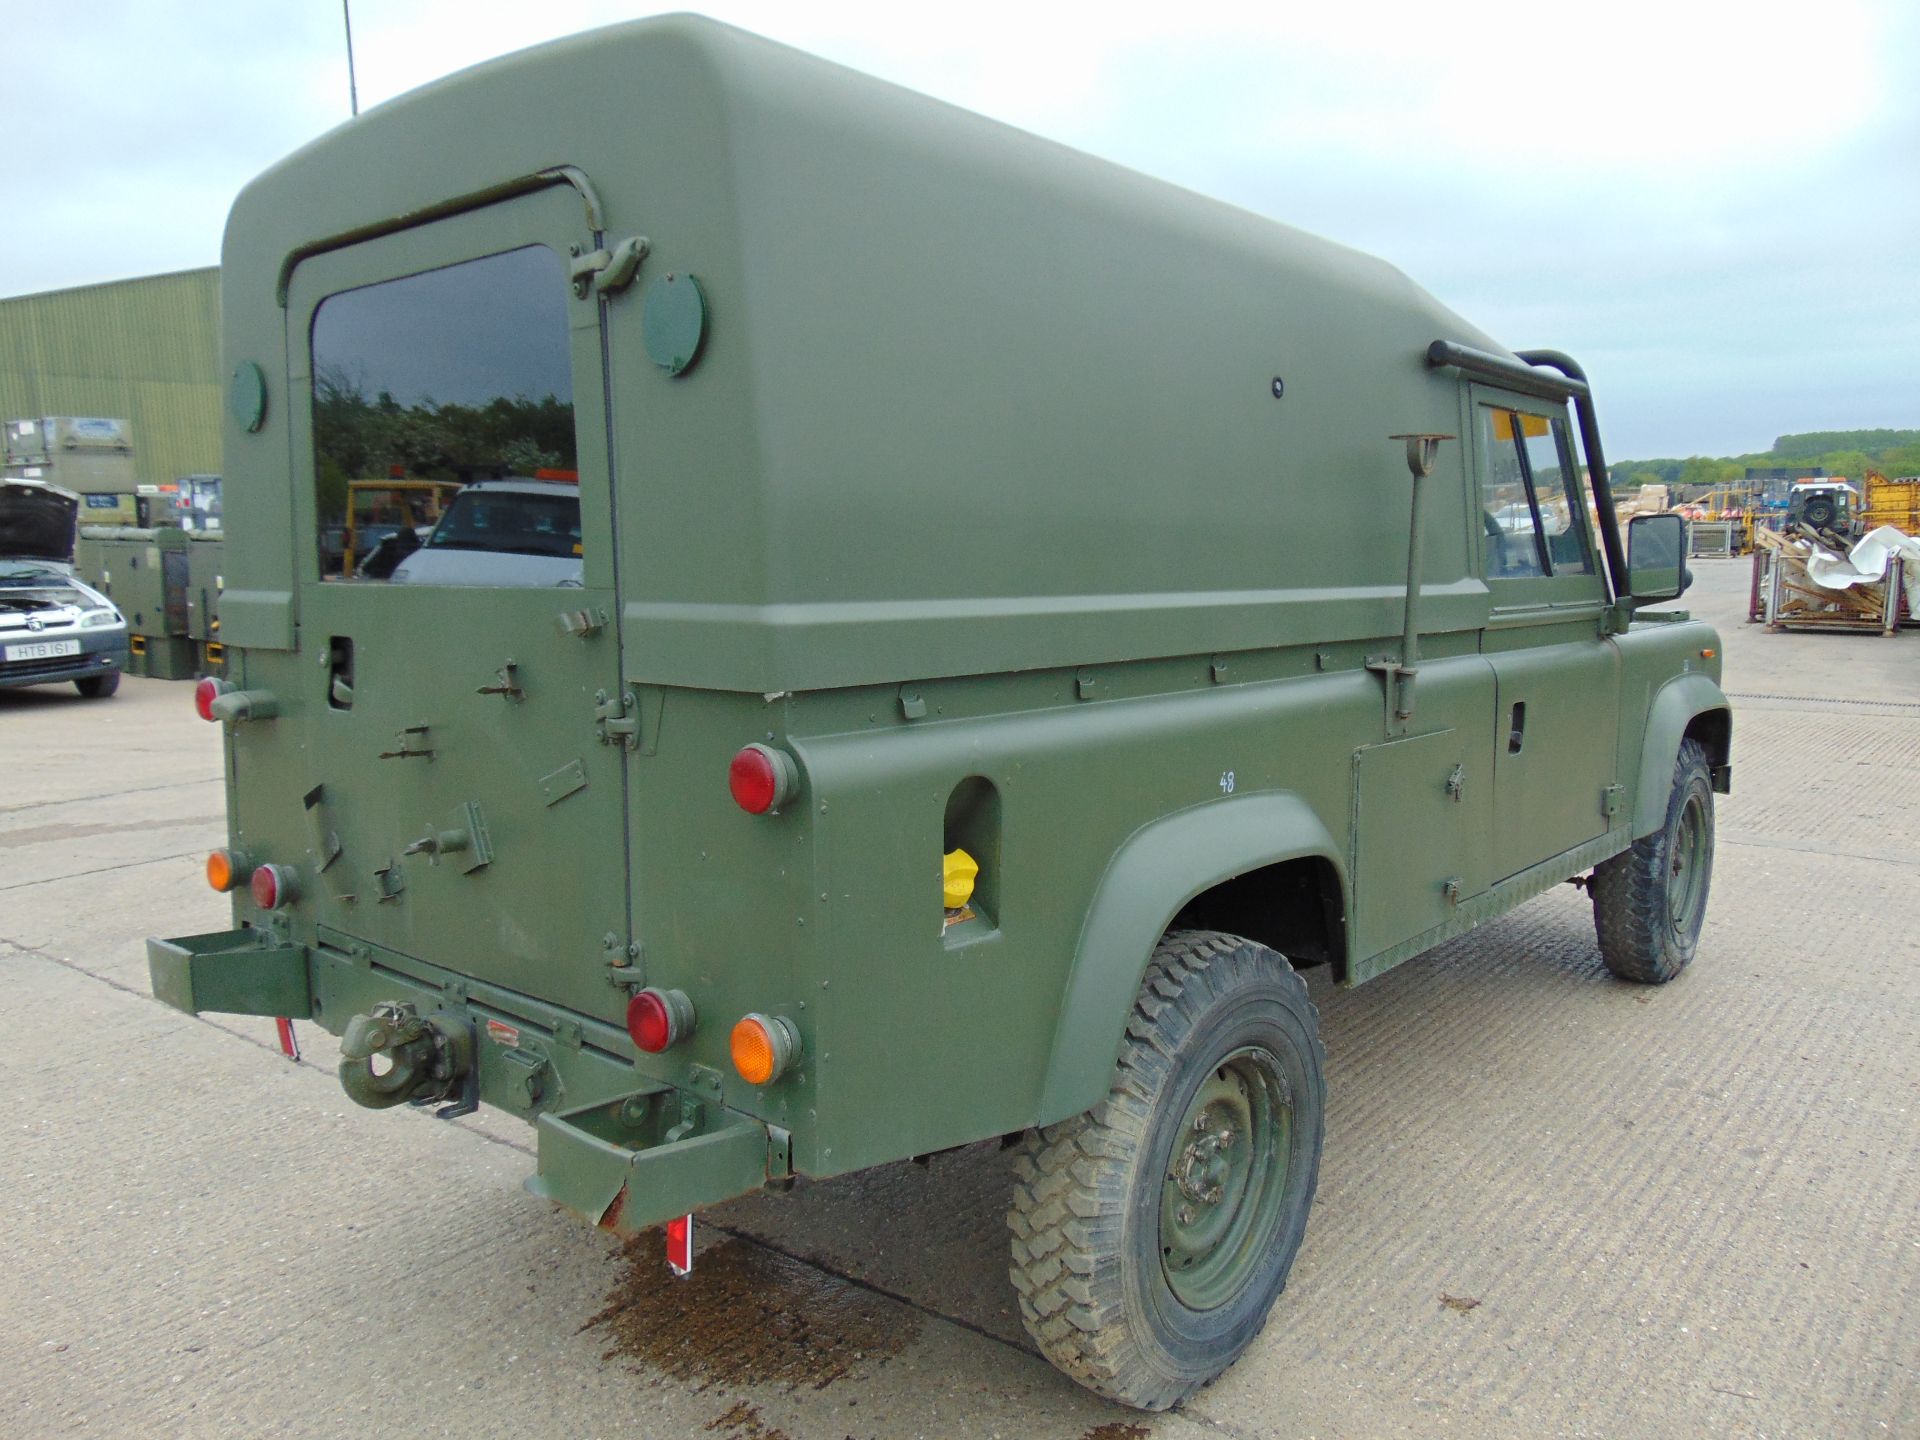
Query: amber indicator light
pixel 222 872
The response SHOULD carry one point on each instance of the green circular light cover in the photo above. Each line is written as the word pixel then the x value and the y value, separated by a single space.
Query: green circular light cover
pixel 247 396
pixel 675 322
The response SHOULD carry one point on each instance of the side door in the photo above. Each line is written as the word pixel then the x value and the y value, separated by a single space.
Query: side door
pixel 464 805
pixel 1556 672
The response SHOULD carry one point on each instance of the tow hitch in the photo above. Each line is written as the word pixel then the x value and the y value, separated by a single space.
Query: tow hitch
pixel 429 1060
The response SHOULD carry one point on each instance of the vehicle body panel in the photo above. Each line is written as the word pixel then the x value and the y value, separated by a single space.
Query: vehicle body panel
pixel 1027 505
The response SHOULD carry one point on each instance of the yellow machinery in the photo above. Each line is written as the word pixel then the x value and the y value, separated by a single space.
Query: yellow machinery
pixel 386 505
pixel 1892 502
pixel 1734 505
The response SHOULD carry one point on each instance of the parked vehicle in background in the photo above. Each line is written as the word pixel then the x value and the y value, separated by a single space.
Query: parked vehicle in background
pixel 963 718
pixel 1826 506
pixel 514 531
pixel 53 627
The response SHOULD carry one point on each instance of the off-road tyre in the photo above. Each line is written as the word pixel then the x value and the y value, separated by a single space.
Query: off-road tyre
pixel 1221 1033
pixel 1820 512
pixel 98 687
pixel 1649 901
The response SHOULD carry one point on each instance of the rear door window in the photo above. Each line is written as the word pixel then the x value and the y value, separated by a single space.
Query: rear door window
pixel 452 375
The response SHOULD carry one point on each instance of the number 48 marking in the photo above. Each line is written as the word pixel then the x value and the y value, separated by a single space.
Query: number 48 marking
pixel 1226 782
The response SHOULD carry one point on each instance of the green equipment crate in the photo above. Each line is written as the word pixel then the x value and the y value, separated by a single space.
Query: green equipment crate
pixel 145 572
pixel 206 577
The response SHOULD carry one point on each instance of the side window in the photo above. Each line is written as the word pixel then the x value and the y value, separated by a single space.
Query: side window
pixel 1530 510
pixel 443 427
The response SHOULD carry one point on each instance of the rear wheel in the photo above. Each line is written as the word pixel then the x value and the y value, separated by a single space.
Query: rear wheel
pixel 98 687
pixel 1153 1233
pixel 1650 901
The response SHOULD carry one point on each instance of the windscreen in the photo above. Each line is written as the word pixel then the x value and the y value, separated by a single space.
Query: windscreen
pixel 452 376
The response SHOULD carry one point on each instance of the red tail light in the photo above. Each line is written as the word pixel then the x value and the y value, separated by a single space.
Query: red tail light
pixel 272 886
pixel 205 693
pixel 657 1019
pixel 762 779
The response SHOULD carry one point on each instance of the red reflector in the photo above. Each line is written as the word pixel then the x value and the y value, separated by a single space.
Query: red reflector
pixel 204 694
pixel 680 1245
pixel 751 779
pixel 761 779
pixel 272 887
pixel 649 1023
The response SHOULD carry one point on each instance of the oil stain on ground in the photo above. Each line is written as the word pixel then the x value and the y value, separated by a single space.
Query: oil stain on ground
pixel 742 1422
pixel 747 1316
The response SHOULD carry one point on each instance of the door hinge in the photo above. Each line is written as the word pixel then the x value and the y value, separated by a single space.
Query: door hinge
pixel 1610 800
pixel 615 720
pixel 1457 783
pixel 608 271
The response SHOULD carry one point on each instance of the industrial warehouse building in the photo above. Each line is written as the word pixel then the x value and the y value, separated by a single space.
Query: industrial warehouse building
pixel 145 350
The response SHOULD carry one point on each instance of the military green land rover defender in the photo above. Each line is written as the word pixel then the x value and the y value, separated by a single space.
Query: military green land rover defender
pixel 967 625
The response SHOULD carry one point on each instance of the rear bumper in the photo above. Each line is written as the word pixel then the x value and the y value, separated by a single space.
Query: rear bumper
pixel 99 654
pixel 619 1151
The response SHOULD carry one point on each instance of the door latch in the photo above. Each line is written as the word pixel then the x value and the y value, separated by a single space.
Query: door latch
pixel 1457 783
pixel 506 682
pixel 608 271
pixel 614 719
pixel 413 745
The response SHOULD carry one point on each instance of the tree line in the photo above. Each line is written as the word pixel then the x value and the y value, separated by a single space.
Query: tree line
pixel 361 437
pixel 1850 453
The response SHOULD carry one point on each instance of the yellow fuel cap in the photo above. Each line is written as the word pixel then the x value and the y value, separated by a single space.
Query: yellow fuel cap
pixel 957 872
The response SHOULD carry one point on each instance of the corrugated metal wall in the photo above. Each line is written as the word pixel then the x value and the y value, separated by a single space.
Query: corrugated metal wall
pixel 145 350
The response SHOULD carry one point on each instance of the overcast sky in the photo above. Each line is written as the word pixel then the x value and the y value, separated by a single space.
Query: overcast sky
pixel 1715 206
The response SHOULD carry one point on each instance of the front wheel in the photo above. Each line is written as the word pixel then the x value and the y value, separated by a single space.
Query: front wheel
pixel 98 687
pixel 1650 901
pixel 1153 1233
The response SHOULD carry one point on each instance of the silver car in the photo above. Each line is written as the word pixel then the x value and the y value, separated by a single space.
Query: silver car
pixel 53 628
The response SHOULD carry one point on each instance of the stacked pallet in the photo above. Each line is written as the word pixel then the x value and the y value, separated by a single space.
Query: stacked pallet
pixel 1799 584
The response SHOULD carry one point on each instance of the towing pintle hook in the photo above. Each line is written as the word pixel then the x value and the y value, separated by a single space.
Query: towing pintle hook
pixel 429 1057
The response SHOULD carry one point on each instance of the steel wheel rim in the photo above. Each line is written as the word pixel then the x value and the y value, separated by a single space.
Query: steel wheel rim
pixel 1226 1179
pixel 1686 866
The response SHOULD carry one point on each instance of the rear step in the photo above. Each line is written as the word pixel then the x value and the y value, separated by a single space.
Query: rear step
pixel 634 1161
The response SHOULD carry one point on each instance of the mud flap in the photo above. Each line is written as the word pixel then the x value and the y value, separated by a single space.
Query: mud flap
pixel 231 972
pixel 613 1165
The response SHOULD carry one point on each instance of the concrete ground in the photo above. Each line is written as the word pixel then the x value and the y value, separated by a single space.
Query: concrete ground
pixel 1676 1212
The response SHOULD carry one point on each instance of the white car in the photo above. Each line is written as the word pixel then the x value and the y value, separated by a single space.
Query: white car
pixel 512 532
pixel 53 629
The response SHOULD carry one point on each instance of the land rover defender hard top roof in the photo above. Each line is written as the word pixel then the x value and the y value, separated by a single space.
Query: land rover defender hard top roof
pixel 911 317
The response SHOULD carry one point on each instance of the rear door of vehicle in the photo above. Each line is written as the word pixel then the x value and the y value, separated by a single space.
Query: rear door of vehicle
pixel 1557 675
pixel 465 807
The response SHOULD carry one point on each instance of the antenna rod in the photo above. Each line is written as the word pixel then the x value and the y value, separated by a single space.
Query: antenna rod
pixel 353 89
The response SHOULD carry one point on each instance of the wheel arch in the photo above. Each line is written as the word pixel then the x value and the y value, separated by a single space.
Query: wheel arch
pixel 1226 853
pixel 1687 707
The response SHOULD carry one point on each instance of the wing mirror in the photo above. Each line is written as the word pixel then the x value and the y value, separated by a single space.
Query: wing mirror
pixel 1656 558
